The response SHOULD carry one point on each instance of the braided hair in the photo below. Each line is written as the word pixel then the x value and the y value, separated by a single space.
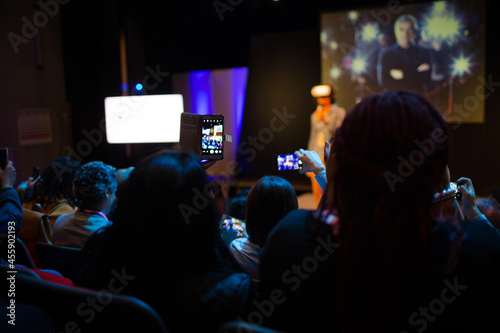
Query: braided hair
pixel 55 182
pixel 389 157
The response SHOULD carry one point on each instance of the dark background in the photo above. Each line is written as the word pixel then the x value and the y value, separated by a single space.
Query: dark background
pixel 277 40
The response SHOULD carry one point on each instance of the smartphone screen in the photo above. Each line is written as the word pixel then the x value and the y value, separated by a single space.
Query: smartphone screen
pixel 4 157
pixel 212 137
pixel 233 225
pixel 287 162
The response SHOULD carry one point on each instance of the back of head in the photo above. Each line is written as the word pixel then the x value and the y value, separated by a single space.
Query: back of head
pixel 389 157
pixel 167 203
pixel 91 182
pixel 56 182
pixel 237 205
pixel 390 145
pixel 269 200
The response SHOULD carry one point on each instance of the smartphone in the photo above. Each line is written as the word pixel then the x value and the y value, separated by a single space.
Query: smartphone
pixel 454 186
pixel 287 162
pixel 212 137
pixel 35 173
pixel 233 225
pixel 203 135
pixel 4 157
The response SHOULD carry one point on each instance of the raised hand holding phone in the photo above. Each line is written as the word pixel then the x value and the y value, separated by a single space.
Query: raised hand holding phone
pixel 8 176
pixel 311 162
pixel 468 203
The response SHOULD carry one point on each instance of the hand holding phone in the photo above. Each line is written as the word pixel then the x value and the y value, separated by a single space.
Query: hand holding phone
pixel 35 175
pixel 311 162
pixel 8 175
pixel 203 135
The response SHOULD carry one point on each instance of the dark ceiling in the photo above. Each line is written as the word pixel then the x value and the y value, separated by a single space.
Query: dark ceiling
pixel 205 34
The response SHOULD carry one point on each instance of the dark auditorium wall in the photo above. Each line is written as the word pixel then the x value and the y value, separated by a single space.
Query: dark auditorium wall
pixel 283 67
pixel 32 78
pixel 280 47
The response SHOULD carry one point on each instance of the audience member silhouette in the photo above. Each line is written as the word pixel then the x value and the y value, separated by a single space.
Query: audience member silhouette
pixel 165 242
pixel 94 188
pixel 269 200
pixel 236 206
pixel 394 267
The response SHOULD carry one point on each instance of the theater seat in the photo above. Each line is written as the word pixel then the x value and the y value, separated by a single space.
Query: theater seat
pixel 73 309
pixel 22 254
pixel 63 259
pixel 35 228
pixel 19 270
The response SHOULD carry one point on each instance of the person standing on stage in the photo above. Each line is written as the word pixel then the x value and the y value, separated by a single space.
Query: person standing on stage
pixel 324 121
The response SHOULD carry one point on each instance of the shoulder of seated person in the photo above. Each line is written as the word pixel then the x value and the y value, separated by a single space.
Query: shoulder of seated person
pixel 6 190
pixel 294 222
pixel 238 241
pixel 236 281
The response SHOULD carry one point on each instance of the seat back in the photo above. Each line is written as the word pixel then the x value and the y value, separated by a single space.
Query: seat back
pixel 76 309
pixel 21 254
pixel 63 259
pixel 35 228
pixel 19 270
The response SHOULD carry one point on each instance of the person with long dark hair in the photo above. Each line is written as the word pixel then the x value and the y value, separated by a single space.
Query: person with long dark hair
pixel 401 267
pixel 269 200
pixel 402 259
pixel 165 243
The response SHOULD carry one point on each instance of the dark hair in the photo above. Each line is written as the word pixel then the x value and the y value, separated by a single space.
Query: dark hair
pixel 389 157
pixel 91 181
pixel 164 208
pixel 269 200
pixel 56 182
pixel 237 205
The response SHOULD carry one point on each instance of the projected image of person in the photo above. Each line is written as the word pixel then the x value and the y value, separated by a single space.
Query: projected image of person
pixel 405 65
pixel 440 64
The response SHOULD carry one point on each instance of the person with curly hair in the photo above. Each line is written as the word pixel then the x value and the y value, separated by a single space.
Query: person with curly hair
pixel 94 188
